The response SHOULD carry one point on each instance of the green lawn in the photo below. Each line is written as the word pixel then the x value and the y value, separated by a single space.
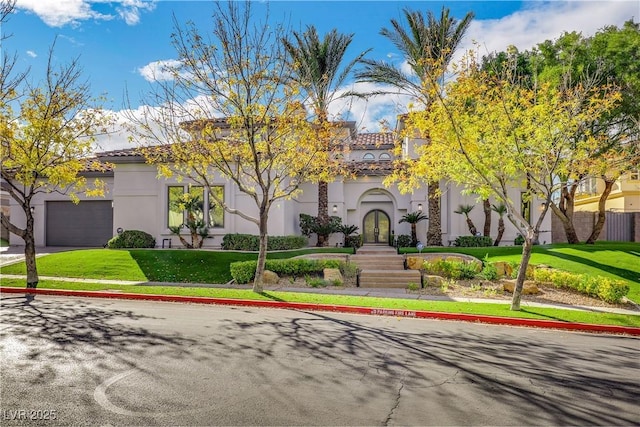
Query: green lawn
pixel 183 266
pixel 385 303
pixel 618 260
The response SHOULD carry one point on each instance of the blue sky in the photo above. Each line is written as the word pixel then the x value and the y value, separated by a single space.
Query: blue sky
pixel 119 43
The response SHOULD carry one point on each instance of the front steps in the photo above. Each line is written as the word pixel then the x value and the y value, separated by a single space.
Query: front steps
pixel 390 278
pixel 382 267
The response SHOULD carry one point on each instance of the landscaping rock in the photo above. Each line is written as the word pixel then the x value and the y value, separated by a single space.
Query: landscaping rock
pixel 332 275
pixel 529 287
pixel 415 262
pixel 504 268
pixel 270 278
pixel 430 280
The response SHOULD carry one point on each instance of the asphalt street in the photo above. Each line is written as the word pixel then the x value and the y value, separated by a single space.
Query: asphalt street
pixel 74 361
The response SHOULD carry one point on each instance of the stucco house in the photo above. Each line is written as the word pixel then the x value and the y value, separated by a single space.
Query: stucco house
pixel 138 199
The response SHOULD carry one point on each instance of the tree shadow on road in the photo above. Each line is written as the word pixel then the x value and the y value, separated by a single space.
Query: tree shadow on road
pixel 547 382
pixel 68 328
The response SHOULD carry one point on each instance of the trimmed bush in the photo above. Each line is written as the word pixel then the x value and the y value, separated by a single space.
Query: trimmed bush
pixel 452 269
pixel 404 241
pixel 129 239
pixel 353 241
pixel 473 241
pixel 609 290
pixel 251 242
pixel 244 271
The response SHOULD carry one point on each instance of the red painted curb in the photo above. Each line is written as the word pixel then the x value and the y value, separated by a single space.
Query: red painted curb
pixel 552 324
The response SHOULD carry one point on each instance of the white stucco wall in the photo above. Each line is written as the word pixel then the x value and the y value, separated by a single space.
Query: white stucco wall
pixel 38 203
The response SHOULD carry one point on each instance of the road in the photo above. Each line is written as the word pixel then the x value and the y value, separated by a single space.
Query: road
pixel 73 361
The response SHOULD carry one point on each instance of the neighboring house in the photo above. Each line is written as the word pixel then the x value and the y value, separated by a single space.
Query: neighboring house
pixel 624 197
pixel 622 207
pixel 138 199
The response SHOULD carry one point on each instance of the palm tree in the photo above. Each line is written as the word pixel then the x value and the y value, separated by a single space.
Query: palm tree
pixel 428 47
pixel 465 210
pixel 486 207
pixel 413 218
pixel 500 209
pixel 347 231
pixel 317 67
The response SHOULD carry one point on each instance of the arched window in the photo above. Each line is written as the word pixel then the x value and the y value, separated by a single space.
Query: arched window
pixel 368 156
pixel 384 156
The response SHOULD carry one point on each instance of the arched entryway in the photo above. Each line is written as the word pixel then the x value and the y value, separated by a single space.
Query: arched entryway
pixel 376 227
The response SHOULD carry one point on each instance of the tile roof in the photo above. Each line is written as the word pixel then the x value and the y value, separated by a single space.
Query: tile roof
pixel 375 168
pixel 94 165
pixel 377 140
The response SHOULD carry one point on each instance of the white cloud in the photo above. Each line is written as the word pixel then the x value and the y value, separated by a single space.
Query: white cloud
pixel 547 21
pixel 159 70
pixel 32 53
pixel 371 114
pixel 58 13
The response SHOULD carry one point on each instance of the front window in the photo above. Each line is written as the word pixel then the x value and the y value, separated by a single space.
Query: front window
pixel 368 156
pixel 186 200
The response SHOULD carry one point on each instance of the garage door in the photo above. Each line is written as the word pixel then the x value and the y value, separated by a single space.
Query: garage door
pixel 89 223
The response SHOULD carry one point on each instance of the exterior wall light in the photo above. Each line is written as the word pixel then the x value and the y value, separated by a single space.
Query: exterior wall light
pixel 335 209
pixel 419 207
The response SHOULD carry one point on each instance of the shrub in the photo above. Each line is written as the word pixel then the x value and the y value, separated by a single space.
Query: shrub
pixel 349 270
pixel 609 290
pixel 244 271
pixel 404 241
pixel 353 241
pixel 519 240
pixel 489 272
pixel 251 242
pixel 129 239
pixel 452 269
pixel 473 241
pixel 315 282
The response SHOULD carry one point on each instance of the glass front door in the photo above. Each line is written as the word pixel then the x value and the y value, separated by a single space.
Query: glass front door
pixel 376 227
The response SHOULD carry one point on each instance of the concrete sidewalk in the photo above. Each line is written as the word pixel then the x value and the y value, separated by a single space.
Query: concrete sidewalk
pixel 15 254
pixel 361 292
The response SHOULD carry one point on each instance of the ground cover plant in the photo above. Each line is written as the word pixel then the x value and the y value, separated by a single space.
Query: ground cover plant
pixel 615 260
pixel 598 318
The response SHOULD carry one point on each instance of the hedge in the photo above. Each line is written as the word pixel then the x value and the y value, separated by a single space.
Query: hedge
pixel 609 290
pixel 251 242
pixel 132 239
pixel 244 271
pixel 473 241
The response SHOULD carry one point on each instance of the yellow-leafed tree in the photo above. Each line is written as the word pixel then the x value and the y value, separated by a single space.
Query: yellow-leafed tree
pixel 46 134
pixel 230 110
pixel 489 133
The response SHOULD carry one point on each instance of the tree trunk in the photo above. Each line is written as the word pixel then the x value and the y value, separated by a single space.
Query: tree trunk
pixel 434 231
pixel 564 211
pixel 323 211
pixel 414 235
pixel 500 232
pixel 522 271
pixel 262 252
pixel 472 227
pixel 30 252
pixel 602 215
pixel 486 206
